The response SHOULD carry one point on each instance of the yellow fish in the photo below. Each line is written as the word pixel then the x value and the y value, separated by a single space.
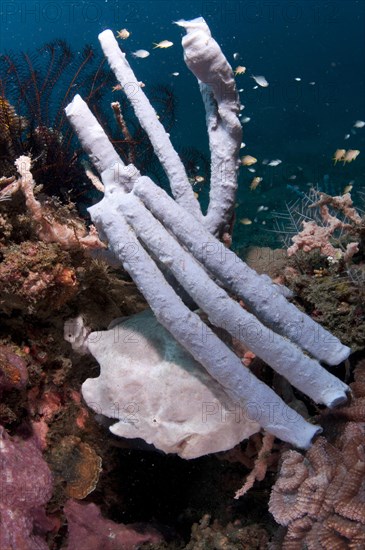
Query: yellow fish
pixel 350 155
pixel 240 70
pixel 123 34
pixel 163 44
pixel 247 160
pixel 339 155
pixel 246 221
pixel 255 183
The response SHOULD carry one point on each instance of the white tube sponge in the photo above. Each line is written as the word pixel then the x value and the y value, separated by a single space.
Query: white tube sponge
pixel 278 352
pixel 260 295
pixel 206 61
pixel 188 329
pixel 93 139
pixel 170 160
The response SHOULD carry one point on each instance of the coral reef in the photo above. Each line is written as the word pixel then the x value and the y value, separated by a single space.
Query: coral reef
pixel 45 275
pixel 66 481
pixel 38 84
pixel 320 496
pixel 77 465
pixel 36 276
pixel 25 488
pixel 88 530
pixel 314 236
pixel 326 268
pixel 234 536
pixel 335 299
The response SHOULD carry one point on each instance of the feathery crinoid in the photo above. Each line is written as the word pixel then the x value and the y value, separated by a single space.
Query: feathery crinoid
pixel 35 87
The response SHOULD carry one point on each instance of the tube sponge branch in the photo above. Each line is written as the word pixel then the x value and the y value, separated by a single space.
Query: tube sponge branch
pixel 135 214
pixel 257 291
pixel 204 58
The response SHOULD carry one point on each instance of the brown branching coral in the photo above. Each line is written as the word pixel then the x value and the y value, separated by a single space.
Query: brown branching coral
pixel 320 496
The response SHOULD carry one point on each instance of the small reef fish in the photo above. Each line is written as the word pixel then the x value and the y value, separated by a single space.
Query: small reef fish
pixel 350 155
pixel 261 81
pixel 359 124
pixel 347 189
pixel 142 54
pixel 123 34
pixel 175 74
pixel 163 44
pixel 247 160
pixel 339 155
pixel 243 145
pixel 236 56
pixel 246 119
pixel 255 183
pixel 347 136
pixel 245 221
pixel 346 156
pixel 297 79
pixel 239 70
pixel 196 179
pixel 274 162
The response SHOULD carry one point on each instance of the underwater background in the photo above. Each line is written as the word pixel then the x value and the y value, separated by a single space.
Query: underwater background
pixel 66 481
pixel 311 52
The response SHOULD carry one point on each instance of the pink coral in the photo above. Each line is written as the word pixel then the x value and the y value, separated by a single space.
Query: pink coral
pixel 314 236
pixel 88 530
pixel 26 486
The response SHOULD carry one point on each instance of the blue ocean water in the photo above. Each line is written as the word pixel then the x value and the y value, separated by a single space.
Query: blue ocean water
pixel 312 53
